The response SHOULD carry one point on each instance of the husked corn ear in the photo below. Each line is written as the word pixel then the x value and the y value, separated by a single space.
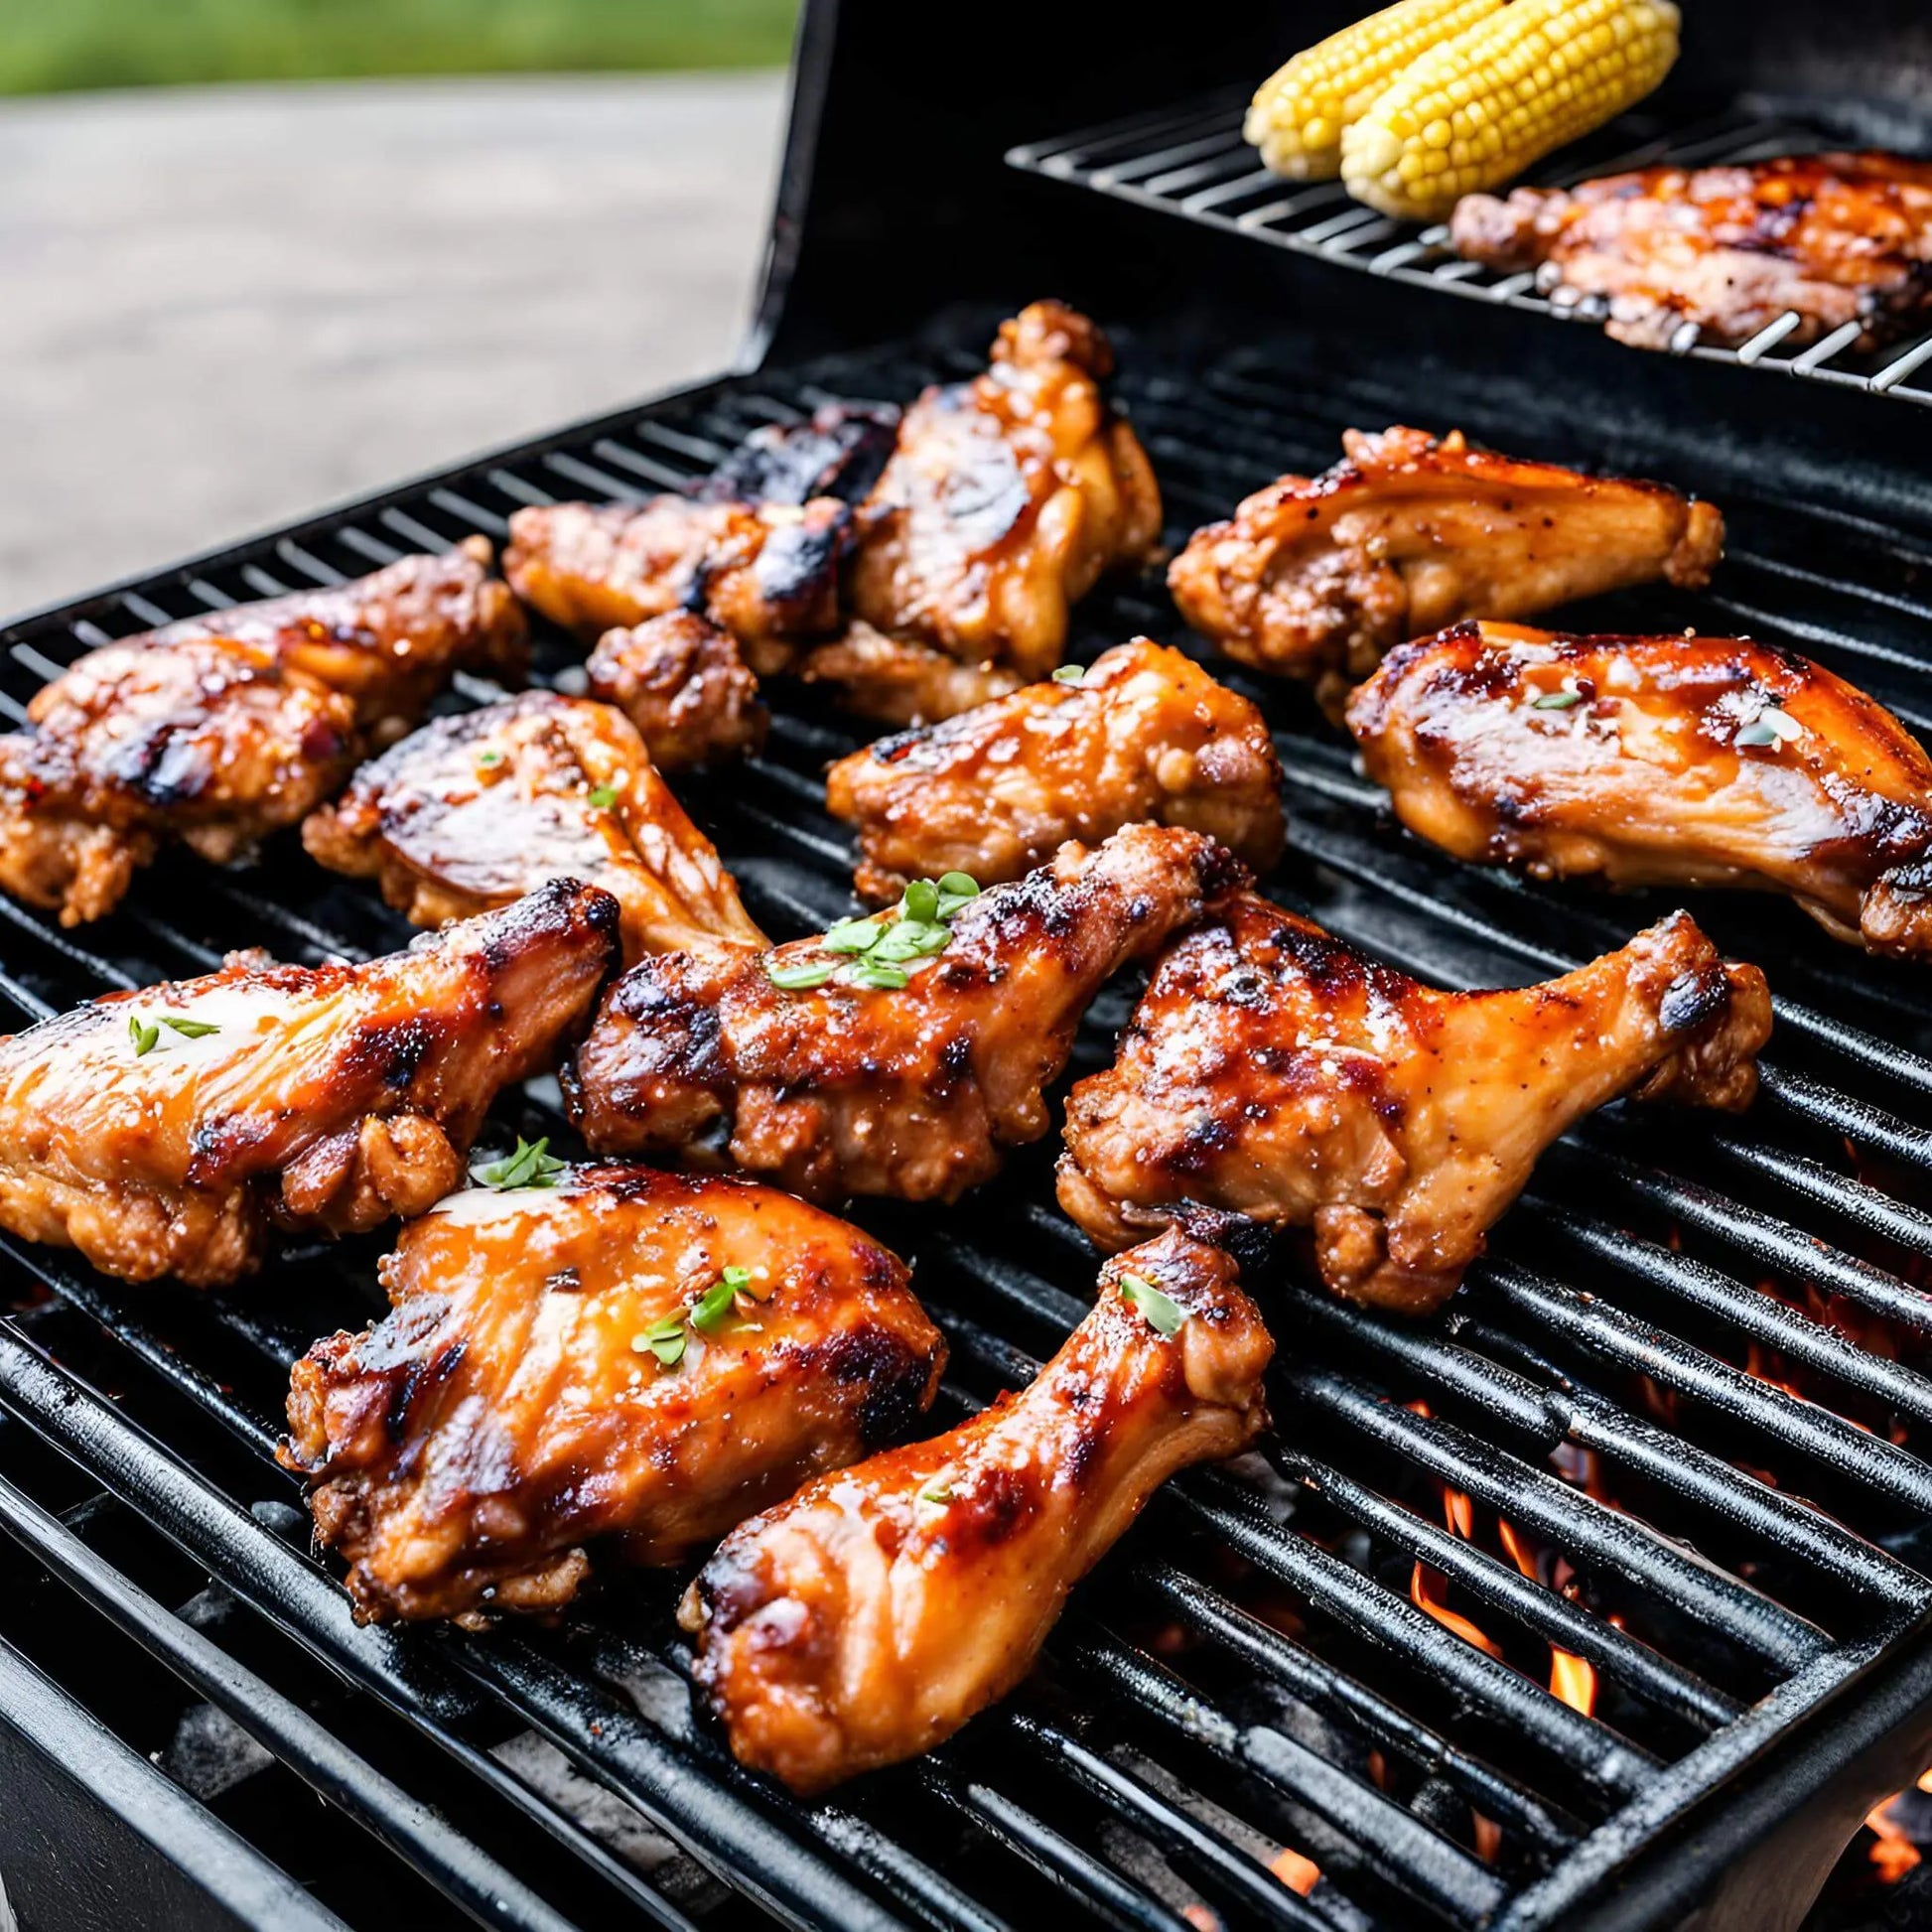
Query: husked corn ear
pixel 1297 113
pixel 1476 110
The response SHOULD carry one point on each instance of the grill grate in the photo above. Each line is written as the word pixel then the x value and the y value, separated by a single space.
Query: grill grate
pixel 1254 1672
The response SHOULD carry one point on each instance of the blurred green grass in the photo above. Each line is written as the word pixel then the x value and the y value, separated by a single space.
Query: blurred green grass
pixel 51 44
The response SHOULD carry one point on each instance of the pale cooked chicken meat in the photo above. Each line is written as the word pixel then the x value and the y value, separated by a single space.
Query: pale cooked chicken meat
pixel 895 681
pixel 220 730
pixel 567 1369
pixel 161 1132
pixel 1274 1072
pixel 1144 733
pixel 474 811
pixel 1317 577
pixel 685 685
pixel 871 1616
pixel 1659 761
pixel 832 1086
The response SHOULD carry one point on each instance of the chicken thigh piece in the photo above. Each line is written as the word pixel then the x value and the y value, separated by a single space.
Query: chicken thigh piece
pixel 1659 761
pixel 160 1132
pixel 895 681
pixel 871 1616
pixel 1143 734
pixel 603 1356
pixel 835 1070
pixel 1274 1072
pixel 474 811
pixel 686 687
pixel 1317 577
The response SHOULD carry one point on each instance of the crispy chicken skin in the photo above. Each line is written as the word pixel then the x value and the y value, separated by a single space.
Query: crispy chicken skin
pixel 1620 758
pixel 1145 736
pixel 1272 1070
pixel 1317 577
pixel 474 811
pixel 1728 250
pixel 894 681
pixel 838 1089
pixel 839 451
pixel 222 730
pixel 686 687
pixel 870 1616
pixel 325 1098
pixel 504 1413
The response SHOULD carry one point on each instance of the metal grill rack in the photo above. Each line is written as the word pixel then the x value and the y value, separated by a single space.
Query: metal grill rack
pixel 1251 1670
pixel 1192 161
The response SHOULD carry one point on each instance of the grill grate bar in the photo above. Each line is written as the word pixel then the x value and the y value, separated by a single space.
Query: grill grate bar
pixel 1878 1213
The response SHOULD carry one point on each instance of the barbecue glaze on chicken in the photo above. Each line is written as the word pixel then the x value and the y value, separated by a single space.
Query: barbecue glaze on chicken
pixel 512 1409
pixel 836 1088
pixel 1317 577
pixel 868 1618
pixel 1272 1070
pixel 684 684
pixel 894 681
pixel 1143 734
pixel 161 1132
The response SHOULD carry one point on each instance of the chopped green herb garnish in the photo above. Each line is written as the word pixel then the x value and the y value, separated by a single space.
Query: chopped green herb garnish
pixel 876 946
pixel 714 1307
pixel 143 1033
pixel 955 888
pixel 936 1492
pixel 910 940
pixel 665 1339
pixel 874 977
pixel 738 1279
pixel 532 1164
pixel 603 796
pixel 1163 1314
pixel 189 1029
pixel 798 975
pixel 922 900
pixel 1556 700
pixel 1070 674
pixel 486 758
pixel 1769 728
pixel 854 935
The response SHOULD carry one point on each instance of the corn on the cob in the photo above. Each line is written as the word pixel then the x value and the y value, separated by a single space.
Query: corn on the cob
pixel 1297 113
pixel 1476 110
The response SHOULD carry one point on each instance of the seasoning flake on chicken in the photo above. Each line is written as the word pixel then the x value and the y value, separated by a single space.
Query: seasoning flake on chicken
pixel 685 685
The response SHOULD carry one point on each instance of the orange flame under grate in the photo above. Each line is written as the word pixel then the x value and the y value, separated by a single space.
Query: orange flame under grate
pixel 1298 1873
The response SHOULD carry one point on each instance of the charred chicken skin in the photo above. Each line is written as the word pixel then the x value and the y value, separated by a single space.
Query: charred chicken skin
pixel 832 1086
pixel 684 684
pixel 474 811
pixel 870 1616
pixel 569 1366
pixel 1144 735
pixel 1724 251
pixel 222 730
pixel 1317 577
pixel 1659 761
pixel 160 1132
pixel 1272 1070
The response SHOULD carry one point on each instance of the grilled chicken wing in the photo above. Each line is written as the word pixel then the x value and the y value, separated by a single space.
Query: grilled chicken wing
pixel 222 730
pixel 551 1374
pixel 684 684
pixel 474 811
pixel 1272 1070
pixel 897 682
pixel 159 1132
pixel 839 451
pixel 1317 577
pixel 871 1616
pixel 1659 761
pixel 1144 735
pixel 835 1088
pixel 1726 250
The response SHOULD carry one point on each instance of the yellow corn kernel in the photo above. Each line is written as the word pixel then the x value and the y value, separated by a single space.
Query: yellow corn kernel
pixel 1541 73
pixel 1299 114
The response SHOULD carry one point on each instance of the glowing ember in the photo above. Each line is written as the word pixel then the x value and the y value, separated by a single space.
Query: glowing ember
pixel 1893 1852
pixel 1298 1873
pixel 1426 1589
pixel 1488 1836
pixel 1204 1918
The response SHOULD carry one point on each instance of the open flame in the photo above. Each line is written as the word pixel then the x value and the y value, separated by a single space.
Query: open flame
pixel 1893 1852
pixel 1298 1873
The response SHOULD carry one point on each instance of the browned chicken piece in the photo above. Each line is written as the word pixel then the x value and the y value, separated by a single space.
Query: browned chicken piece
pixel 474 811
pixel 1144 735
pixel 1274 1072
pixel 870 1616
pixel 1659 761
pixel 220 730
pixel 897 682
pixel 610 1357
pixel 834 1073
pixel 160 1132
pixel 1317 577
pixel 839 451
pixel 767 572
pixel 1726 250
pixel 686 687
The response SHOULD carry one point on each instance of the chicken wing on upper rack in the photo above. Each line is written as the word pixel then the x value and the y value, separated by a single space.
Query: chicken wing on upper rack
pixel 1272 1070
pixel 474 811
pixel 896 1056
pixel 220 730
pixel 1144 733
pixel 1659 761
pixel 871 1616
pixel 684 684
pixel 160 1132
pixel 600 1356
pixel 1318 576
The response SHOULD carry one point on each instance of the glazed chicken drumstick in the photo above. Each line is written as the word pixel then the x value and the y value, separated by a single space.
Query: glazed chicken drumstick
pixel 1659 761
pixel 161 1132
pixel 602 1356
pixel 684 684
pixel 1272 1070
pixel 870 1616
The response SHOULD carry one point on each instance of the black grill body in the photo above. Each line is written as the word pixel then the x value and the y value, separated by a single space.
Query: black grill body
pixel 1747 1570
